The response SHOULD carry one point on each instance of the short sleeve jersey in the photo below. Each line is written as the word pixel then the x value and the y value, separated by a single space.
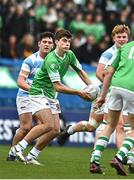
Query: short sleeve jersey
pixel 107 55
pixel 31 64
pixel 124 66
pixel 53 69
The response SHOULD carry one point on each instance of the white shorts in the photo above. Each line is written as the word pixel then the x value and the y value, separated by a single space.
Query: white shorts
pixel 106 106
pixel 23 105
pixel 41 102
pixel 121 99
pixel 95 109
pixel 106 103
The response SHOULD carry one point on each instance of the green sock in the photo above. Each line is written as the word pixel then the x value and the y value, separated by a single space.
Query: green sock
pixel 126 147
pixel 100 146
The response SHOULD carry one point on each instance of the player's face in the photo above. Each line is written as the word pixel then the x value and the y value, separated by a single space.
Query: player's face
pixel 45 45
pixel 63 44
pixel 120 39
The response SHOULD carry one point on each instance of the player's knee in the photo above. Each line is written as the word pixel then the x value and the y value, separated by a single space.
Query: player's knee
pixel 86 126
pixel 25 129
pixel 56 132
pixel 50 127
pixel 93 124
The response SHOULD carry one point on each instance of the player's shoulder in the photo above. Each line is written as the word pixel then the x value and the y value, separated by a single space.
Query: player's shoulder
pixel 109 52
pixel 70 52
pixel 51 57
pixel 32 58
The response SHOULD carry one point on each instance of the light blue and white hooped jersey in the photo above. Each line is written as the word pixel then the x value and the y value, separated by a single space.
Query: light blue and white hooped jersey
pixel 106 58
pixel 107 55
pixel 31 64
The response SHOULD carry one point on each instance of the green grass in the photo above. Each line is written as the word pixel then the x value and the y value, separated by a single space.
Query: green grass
pixel 59 163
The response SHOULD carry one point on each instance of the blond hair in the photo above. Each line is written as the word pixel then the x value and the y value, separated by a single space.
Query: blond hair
pixel 120 29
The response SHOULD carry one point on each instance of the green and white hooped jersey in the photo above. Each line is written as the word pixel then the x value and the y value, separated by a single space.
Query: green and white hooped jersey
pixel 52 70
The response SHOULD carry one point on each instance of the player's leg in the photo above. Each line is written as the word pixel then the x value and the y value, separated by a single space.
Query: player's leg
pixel 25 127
pixel 123 129
pixel 120 133
pixel 98 133
pixel 43 109
pixel 129 158
pixel 104 110
pixel 47 125
pixel 127 145
pixel 43 141
pixel 95 117
pixel 114 104
pixel 25 117
pixel 103 140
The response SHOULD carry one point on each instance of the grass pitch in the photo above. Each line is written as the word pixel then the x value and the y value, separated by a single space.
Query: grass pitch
pixel 59 163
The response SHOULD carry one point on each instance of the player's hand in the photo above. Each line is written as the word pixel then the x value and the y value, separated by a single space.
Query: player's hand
pixel 85 95
pixel 100 101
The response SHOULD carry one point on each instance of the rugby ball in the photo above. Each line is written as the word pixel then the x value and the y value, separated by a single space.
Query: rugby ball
pixel 93 91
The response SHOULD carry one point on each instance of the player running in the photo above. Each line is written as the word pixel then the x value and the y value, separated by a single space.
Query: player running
pixel 43 93
pixel 120 35
pixel 29 67
pixel 119 78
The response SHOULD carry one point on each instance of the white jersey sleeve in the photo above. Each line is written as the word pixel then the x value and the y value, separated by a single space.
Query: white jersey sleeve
pixel 107 55
pixel 31 65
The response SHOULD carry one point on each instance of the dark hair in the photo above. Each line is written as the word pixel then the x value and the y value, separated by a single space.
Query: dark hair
pixel 62 33
pixel 45 35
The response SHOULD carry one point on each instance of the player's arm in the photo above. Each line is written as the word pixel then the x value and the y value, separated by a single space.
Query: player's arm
pixel 22 80
pixel 59 87
pixel 78 68
pixel 107 81
pixel 106 85
pixel 100 71
pixel 83 75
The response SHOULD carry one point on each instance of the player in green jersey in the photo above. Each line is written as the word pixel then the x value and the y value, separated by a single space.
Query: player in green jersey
pixel 43 92
pixel 119 77
pixel 120 36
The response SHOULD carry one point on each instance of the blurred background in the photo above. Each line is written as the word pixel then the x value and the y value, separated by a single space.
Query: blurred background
pixel 90 22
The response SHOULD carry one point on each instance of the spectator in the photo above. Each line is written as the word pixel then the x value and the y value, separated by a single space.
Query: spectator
pixel 18 23
pixel 87 52
pixel 10 48
pixel 26 46
pixel 97 17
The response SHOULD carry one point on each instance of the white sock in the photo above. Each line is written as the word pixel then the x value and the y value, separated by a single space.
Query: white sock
pixel 70 130
pixel 12 151
pixel 21 145
pixel 34 153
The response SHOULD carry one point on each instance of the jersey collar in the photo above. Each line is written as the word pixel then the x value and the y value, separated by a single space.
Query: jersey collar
pixel 39 57
pixel 115 47
pixel 59 56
